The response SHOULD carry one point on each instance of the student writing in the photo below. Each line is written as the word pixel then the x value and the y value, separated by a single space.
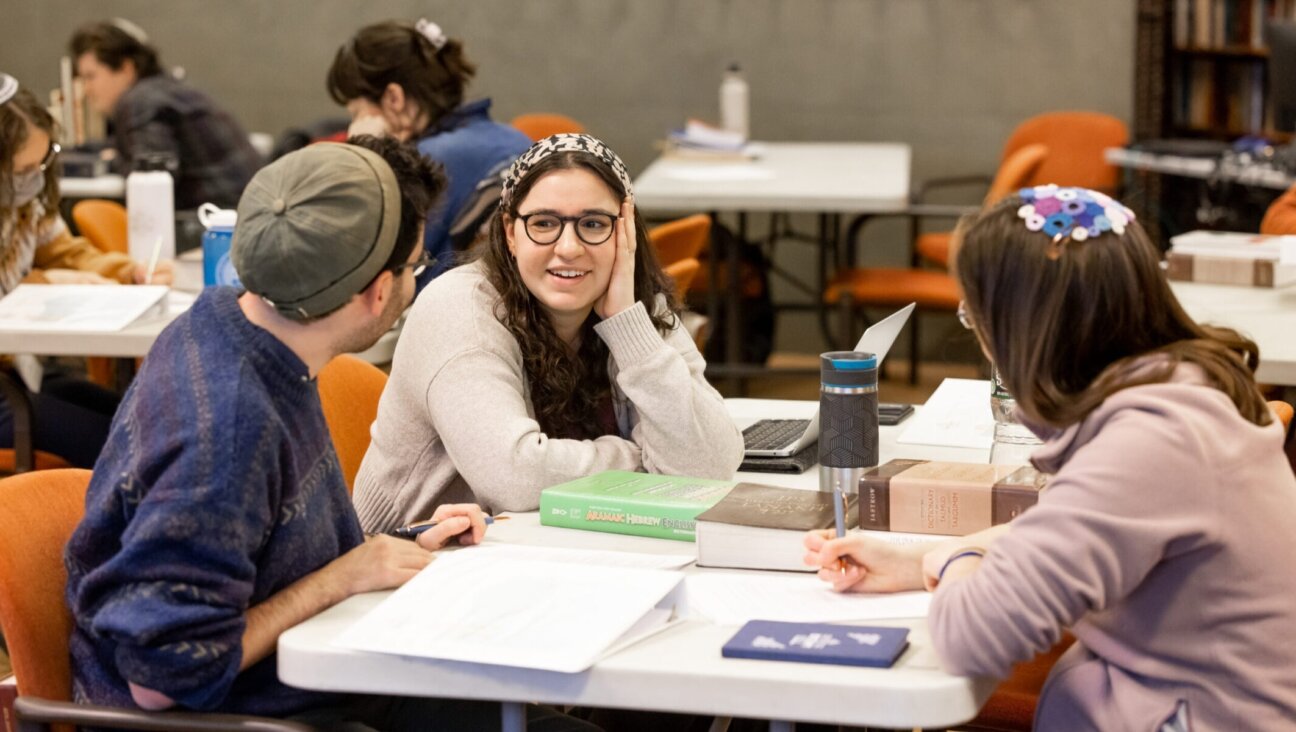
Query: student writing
pixel 1162 539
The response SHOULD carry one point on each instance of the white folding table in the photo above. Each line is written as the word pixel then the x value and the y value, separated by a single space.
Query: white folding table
pixel 679 670
pixel 828 178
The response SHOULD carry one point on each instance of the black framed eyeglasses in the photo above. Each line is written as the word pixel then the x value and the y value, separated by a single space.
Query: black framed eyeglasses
pixel 591 228
pixel 963 315
pixel 419 266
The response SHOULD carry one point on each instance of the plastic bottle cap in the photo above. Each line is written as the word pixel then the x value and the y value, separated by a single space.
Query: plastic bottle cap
pixel 212 216
pixel 734 67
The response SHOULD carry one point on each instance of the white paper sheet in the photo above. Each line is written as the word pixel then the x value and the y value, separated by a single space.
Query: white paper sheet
pixel 733 599
pixel 956 415
pixel 551 615
pixel 512 552
pixel 77 308
pixel 713 172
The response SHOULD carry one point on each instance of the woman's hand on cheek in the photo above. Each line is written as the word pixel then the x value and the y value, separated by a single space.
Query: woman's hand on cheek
pixel 620 292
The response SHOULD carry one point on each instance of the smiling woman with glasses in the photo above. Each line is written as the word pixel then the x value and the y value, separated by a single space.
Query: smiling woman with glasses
pixel 554 355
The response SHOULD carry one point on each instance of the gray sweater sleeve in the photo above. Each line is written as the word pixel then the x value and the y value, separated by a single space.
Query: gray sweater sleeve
pixel 682 426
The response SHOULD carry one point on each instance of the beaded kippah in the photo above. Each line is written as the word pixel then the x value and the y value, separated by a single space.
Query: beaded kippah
pixel 1078 213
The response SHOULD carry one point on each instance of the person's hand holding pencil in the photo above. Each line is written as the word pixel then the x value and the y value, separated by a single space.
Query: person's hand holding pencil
pixel 871 565
pixel 156 272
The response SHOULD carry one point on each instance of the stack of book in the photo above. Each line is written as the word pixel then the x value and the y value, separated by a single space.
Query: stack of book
pixel 1232 258
pixel 700 141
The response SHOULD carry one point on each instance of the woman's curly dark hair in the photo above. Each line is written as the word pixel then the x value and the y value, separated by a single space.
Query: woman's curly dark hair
pixel 567 386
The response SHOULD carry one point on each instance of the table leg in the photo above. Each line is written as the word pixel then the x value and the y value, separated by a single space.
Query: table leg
pixel 19 399
pixel 512 717
pixel 779 725
pixel 719 724
pixel 733 315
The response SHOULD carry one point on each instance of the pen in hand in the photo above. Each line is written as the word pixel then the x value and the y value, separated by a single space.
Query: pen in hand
pixel 412 531
pixel 839 520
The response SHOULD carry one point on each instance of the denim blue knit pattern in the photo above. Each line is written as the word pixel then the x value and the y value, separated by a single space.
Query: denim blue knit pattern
pixel 218 487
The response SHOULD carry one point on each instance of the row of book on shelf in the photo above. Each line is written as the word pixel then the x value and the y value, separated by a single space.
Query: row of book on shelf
pixel 1217 23
pixel 1236 91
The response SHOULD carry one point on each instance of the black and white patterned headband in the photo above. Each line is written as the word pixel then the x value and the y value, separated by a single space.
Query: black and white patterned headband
pixel 563 142
pixel 8 87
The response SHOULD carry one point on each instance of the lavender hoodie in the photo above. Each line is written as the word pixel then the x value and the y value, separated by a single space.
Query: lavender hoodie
pixel 1166 541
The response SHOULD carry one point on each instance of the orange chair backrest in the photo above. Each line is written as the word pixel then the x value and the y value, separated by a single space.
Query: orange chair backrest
pixel 38 512
pixel 1284 412
pixel 103 223
pixel 1015 172
pixel 681 239
pixel 349 390
pixel 1076 141
pixel 540 125
pixel 683 272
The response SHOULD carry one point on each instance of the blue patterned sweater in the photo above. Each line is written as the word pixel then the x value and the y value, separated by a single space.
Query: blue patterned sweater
pixel 218 487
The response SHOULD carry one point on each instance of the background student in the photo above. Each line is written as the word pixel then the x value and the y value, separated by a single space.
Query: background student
pixel 71 414
pixel 152 112
pixel 407 81
pixel 1161 540
pixel 558 353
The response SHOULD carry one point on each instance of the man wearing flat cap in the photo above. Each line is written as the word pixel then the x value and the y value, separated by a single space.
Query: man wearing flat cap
pixel 217 516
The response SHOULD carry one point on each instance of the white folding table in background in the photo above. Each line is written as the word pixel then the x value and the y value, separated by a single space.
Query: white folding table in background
pixel 1265 315
pixel 828 178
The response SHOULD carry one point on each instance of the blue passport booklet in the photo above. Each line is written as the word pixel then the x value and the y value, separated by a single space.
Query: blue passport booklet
pixel 849 645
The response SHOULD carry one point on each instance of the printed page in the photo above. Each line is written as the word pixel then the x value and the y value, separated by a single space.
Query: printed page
pixel 733 599
pixel 77 308
pixel 470 606
pixel 956 415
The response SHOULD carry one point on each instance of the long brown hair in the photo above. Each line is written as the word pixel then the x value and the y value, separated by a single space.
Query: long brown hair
pixel 15 115
pixel 567 387
pixel 397 53
pixel 1072 323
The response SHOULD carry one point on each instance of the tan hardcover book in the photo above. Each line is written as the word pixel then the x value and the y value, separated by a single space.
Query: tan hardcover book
pixel 933 497
pixel 763 527
pixel 1222 270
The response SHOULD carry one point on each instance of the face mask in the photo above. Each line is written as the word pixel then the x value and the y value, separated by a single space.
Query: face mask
pixel 27 186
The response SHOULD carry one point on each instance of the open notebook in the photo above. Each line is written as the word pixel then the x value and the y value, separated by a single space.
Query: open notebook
pixel 784 437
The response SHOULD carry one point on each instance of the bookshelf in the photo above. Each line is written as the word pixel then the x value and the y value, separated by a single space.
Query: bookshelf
pixel 1213 63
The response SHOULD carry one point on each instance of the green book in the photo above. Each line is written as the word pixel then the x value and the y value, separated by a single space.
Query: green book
pixel 640 504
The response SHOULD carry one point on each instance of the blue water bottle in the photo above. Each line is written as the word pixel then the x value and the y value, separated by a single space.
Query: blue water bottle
pixel 217 268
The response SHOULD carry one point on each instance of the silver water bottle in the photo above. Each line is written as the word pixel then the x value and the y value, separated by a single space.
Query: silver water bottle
pixel 848 419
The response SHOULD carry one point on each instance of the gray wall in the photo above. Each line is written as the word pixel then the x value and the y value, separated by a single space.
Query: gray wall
pixel 950 77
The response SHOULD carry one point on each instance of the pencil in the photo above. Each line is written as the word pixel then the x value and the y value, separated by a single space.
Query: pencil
pixel 839 520
pixel 153 260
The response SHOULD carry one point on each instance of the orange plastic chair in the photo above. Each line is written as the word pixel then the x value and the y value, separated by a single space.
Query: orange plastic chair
pixel 349 390
pixel 1076 141
pixel 38 512
pixel 1283 411
pixel 684 238
pixel 1016 170
pixel 540 125
pixel 103 223
pixel 932 290
pixel 683 272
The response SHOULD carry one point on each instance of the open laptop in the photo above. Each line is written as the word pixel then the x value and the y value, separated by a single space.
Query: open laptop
pixel 785 437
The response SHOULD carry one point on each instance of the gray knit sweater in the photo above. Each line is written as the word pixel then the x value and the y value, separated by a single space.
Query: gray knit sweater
pixel 456 423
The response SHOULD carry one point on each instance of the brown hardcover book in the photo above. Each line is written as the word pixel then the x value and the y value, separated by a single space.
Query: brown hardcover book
pixel 762 527
pixel 1228 270
pixel 931 497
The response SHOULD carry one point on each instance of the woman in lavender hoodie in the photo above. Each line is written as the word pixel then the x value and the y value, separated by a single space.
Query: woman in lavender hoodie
pixel 1166 539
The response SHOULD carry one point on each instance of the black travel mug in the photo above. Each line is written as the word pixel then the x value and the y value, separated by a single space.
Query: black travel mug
pixel 848 419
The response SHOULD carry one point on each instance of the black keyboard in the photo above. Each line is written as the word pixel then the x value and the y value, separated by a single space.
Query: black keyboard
pixel 773 434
